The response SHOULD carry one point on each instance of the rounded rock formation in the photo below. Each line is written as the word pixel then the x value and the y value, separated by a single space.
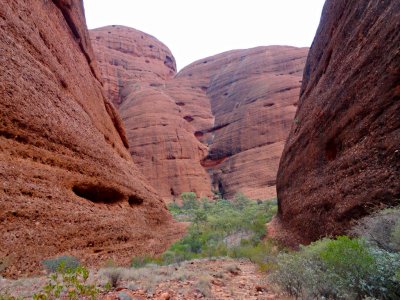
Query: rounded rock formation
pixel 67 182
pixel 342 158
pixel 218 125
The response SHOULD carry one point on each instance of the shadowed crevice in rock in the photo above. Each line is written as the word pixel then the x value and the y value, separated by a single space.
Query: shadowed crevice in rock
pixel 98 193
pixel 135 200
pixel 60 136
pixel 188 118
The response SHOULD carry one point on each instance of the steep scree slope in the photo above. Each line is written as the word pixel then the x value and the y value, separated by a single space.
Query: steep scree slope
pixel 342 158
pixel 67 181
pixel 219 124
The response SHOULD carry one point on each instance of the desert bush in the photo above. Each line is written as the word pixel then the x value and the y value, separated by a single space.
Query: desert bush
pixel 66 262
pixel 8 297
pixel 203 285
pixel 113 275
pixel 240 201
pixel 395 235
pixel 68 283
pixel 219 226
pixel 141 261
pixel 263 253
pixel 189 200
pixel 342 268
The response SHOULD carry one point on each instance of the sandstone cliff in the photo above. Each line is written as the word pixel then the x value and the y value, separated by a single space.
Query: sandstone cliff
pixel 342 158
pixel 67 181
pixel 218 125
pixel 253 97
pixel 162 142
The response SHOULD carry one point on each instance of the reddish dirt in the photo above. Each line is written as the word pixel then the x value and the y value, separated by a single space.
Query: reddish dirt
pixel 196 279
pixel 231 111
pixel 67 182
pixel 342 158
pixel 204 279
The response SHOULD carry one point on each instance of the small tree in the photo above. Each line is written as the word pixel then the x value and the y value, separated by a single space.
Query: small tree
pixel 240 201
pixel 200 216
pixel 189 200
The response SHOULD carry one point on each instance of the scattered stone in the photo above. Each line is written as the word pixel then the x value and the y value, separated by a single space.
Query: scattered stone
pixel 124 296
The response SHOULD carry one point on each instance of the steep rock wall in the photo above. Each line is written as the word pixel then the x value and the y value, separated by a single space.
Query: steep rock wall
pixel 67 182
pixel 218 125
pixel 342 158
pixel 161 140
pixel 253 97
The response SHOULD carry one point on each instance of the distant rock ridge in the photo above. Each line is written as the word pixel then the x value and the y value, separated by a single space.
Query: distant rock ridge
pixel 342 158
pixel 219 125
pixel 68 184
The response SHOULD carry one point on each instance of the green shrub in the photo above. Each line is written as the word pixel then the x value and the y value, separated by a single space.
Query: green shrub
pixel 263 253
pixel 67 262
pixel 240 201
pixel 8 297
pixel 395 241
pixel 346 256
pixel 173 207
pixel 189 200
pixel 68 283
pixel 343 268
pixel 218 227
pixel 114 276
pixel 141 261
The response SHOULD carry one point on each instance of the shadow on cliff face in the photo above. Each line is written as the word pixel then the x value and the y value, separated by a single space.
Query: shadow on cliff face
pixel 341 160
pixel 105 195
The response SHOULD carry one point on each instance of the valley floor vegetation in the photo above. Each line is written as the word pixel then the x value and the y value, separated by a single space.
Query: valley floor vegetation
pixel 363 265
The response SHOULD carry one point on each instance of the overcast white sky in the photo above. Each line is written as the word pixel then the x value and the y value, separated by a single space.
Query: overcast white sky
pixel 193 29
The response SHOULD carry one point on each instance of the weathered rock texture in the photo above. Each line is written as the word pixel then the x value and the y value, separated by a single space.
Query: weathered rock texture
pixel 127 56
pixel 342 158
pixel 219 124
pixel 253 97
pixel 162 142
pixel 67 182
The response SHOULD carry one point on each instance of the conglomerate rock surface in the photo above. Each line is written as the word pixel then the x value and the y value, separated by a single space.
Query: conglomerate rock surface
pixel 342 157
pixel 67 182
pixel 218 125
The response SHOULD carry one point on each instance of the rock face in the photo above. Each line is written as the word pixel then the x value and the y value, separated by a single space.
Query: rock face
pixel 253 97
pixel 162 142
pixel 218 125
pixel 127 56
pixel 342 158
pixel 67 182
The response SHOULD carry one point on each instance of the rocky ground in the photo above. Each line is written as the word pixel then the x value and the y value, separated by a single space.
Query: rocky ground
pixel 197 279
